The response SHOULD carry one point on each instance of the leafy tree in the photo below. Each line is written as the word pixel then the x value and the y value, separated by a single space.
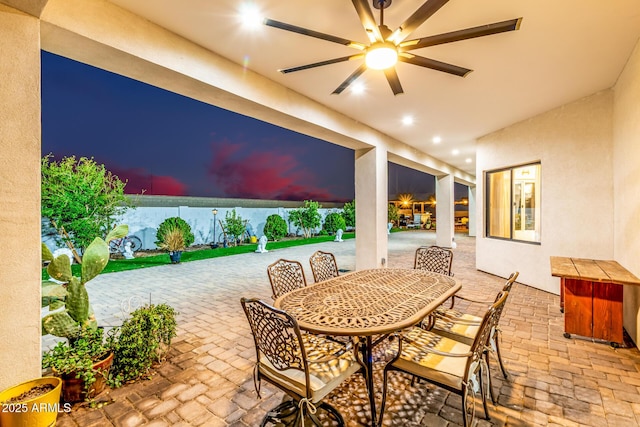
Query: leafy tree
pixel 81 199
pixel 275 227
pixel 307 218
pixel 334 222
pixel 234 226
pixel 349 214
pixel 392 214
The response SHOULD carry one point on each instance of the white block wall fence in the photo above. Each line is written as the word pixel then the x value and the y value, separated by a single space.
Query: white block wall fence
pixel 150 211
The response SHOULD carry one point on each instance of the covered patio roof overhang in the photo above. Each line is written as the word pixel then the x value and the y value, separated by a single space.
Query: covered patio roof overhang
pixel 102 34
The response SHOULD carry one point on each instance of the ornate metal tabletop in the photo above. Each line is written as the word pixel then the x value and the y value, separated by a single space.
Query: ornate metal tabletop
pixel 368 302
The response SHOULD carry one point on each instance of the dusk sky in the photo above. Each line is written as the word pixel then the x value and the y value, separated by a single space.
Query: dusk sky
pixel 168 144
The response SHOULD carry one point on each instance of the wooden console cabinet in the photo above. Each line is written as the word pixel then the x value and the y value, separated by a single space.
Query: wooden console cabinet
pixel 591 296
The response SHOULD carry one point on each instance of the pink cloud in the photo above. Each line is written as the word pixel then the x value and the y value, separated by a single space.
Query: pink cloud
pixel 261 174
pixel 139 180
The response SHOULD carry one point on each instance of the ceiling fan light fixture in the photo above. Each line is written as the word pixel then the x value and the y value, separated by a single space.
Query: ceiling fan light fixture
pixel 381 56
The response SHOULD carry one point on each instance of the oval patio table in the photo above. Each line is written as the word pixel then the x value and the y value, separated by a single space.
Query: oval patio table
pixel 366 303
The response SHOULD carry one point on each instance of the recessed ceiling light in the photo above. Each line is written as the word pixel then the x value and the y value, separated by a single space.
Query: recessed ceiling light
pixel 455 152
pixel 468 160
pixel 357 88
pixel 250 16
pixel 407 120
pixel 436 139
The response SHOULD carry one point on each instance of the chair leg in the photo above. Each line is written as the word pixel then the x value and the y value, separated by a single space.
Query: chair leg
pixel 279 415
pixel 332 411
pixel 490 384
pixel 313 418
pixel 385 383
pixel 483 392
pixel 468 406
pixel 496 341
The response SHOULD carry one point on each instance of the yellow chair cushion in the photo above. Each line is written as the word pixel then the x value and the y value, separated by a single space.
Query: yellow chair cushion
pixel 464 330
pixel 323 376
pixel 416 359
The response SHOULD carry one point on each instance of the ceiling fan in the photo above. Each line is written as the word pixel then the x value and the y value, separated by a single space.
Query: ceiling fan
pixel 386 47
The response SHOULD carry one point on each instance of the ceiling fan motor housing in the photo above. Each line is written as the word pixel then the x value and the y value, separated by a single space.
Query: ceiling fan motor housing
pixel 381 3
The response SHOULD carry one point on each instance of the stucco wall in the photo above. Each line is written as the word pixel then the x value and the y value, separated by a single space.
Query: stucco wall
pixel 19 197
pixel 626 181
pixel 143 222
pixel 574 145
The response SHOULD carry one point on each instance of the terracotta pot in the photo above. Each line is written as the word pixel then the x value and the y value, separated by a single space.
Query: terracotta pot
pixel 40 411
pixel 73 389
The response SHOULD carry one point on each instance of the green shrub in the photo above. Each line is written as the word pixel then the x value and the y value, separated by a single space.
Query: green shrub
pixel 275 228
pixel 349 214
pixel 334 222
pixel 171 224
pixel 141 341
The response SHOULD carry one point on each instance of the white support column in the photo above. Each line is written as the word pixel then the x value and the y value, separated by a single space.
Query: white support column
pixel 472 212
pixel 371 208
pixel 444 210
pixel 20 340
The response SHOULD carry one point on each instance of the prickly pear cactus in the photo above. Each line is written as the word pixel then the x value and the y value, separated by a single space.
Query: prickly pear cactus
pixel 67 319
pixel 95 259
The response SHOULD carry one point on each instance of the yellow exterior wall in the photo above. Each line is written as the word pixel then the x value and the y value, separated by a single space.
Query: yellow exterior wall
pixel 19 196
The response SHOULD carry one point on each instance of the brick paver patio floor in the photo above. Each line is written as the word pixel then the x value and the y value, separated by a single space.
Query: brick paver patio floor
pixel 207 379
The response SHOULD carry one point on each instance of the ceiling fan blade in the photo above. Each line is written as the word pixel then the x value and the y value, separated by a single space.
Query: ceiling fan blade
pixel 320 64
pixel 394 81
pixel 361 69
pixel 367 19
pixel 315 34
pixel 468 33
pixel 414 21
pixel 433 64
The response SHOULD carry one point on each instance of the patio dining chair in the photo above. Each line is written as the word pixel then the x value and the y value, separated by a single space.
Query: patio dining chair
pixel 307 367
pixel 464 327
pixel 434 258
pixel 285 276
pixel 447 363
pixel 323 266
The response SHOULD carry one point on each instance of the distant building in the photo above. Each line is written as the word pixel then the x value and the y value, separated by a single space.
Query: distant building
pixel 424 204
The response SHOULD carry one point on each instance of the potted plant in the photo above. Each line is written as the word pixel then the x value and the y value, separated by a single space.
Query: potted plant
pixel 71 315
pixel 174 235
pixel 174 243
pixel 33 403
pixel 83 364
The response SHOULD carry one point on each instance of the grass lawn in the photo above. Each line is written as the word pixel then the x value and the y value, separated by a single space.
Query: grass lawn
pixel 162 259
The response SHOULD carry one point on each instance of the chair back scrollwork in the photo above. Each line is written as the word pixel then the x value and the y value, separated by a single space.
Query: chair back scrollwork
pixel 434 259
pixel 323 266
pixel 285 276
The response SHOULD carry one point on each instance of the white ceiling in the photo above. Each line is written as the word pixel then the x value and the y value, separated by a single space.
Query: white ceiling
pixel 564 50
